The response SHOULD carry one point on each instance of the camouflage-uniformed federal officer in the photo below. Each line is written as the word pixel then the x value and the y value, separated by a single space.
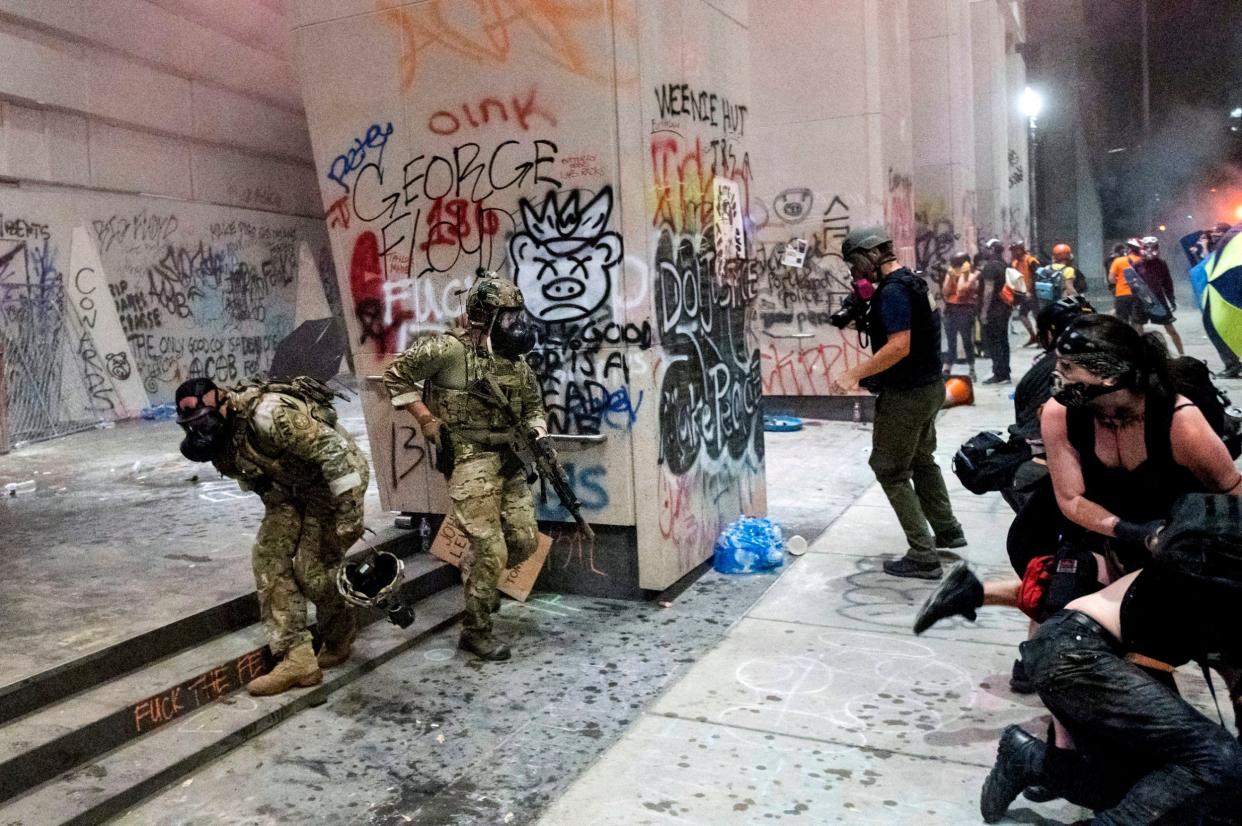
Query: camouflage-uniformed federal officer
pixel 283 442
pixel 466 388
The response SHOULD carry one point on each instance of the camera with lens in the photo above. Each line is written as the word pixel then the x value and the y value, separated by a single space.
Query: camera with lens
pixel 852 313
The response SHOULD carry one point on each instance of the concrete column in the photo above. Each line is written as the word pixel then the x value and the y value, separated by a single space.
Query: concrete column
pixel 602 160
pixel 943 114
pixel 999 75
pixel 832 111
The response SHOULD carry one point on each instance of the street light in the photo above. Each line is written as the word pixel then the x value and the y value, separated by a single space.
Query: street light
pixel 1031 103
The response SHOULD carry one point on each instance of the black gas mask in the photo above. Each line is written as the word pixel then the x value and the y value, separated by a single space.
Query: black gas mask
pixel 1079 394
pixel 206 428
pixel 512 336
pixel 865 266
pixel 205 436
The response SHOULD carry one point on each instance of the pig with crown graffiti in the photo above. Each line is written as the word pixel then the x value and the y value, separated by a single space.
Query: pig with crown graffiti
pixel 564 260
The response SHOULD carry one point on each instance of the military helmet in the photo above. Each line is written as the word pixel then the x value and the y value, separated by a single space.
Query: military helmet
pixel 864 239
pixel 371 582
pixel 490 294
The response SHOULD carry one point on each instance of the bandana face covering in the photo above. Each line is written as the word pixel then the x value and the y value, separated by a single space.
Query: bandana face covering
pixel 1078 394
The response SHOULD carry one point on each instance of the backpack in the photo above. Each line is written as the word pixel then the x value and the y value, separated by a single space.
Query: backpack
pixel 1049 283
pixel 1192 379
pixel 1080 281
pixel 986 462
pixel 1203 538
pixel 317 395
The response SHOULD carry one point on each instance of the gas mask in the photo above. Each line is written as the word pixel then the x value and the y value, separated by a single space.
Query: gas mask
pixel 864 288
pixel 1079 394
pixel 512 336
pixel 864 266
pixel 206 434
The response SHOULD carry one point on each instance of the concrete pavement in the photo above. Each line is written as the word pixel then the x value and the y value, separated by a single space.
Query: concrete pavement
pixel 821 706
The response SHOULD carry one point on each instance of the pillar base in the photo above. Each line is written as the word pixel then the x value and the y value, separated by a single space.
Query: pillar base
pixel 832 408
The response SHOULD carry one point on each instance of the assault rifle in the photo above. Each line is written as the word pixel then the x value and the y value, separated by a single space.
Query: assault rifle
pixel 546 461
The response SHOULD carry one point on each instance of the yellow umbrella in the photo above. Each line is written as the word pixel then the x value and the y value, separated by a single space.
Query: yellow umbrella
pixel 1223 296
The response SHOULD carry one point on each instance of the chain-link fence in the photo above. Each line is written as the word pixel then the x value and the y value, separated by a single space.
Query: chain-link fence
pixel 47 389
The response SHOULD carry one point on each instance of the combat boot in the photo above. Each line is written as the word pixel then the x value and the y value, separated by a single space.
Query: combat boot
pixel 1019 764
pixel 333 654
pixel 298 669
pixel 483 645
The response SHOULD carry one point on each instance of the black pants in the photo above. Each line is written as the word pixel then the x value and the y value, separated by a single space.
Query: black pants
pixel 1188 766
pixel 996 341
pixel 959 323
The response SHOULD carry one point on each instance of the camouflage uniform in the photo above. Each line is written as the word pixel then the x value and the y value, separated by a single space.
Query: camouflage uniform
pixel 491 498
pixel 312 479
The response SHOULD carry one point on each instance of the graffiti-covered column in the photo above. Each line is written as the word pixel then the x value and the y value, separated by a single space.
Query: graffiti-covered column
pixel 522 136
pixel 943 117
pixel 705 465
pixel 832 113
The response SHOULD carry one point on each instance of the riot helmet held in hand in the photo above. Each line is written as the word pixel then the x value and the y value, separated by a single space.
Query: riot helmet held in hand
pixel 375 582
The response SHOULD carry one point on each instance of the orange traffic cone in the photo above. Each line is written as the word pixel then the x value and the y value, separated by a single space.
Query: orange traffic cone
pixel 958 390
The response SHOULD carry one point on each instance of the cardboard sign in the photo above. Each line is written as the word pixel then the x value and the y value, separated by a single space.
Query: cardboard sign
pixel 451 543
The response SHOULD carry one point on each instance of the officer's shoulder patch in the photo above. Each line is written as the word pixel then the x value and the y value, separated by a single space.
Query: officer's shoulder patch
pixel 278 414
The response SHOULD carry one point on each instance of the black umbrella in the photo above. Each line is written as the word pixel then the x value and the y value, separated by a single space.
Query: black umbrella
pixel 314 349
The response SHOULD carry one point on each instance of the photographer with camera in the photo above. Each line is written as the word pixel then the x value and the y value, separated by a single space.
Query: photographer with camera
pixel 904 329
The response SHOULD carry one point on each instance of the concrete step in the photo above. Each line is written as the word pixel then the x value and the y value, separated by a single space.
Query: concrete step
pixel 60 737
pixel 84 673
pixel 105 787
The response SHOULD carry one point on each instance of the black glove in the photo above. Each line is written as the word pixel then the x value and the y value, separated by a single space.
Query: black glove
pixel 1140 533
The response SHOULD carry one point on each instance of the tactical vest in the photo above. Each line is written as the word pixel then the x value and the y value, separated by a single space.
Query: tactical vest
pixel 469 414
pixel 247 462
pixel 922 366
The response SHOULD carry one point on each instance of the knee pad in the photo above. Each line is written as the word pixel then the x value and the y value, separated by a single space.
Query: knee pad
pixel 521 544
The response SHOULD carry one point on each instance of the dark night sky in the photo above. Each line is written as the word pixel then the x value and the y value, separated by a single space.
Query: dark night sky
pixel 1196 78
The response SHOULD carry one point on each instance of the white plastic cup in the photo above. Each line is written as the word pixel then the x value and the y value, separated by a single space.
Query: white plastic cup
pixel 796 545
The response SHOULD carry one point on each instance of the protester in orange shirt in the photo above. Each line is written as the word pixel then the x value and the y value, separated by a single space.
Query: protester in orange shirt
pixel 1126 305
pixel 961 297
pixel 1027 305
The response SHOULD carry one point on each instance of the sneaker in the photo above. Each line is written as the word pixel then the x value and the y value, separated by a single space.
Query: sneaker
pixel 907 567
pixel 1019 682
pixel 952 540
pixel 1041 794
pixel 1234 372
pixel 996 380
pixel 1018 759
pixel 960 594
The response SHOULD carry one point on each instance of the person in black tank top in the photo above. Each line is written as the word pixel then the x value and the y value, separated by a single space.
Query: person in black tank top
pixel 1095 524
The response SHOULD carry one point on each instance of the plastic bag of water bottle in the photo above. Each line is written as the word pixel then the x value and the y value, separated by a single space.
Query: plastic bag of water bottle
pixel 160 412
pixel 748 545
